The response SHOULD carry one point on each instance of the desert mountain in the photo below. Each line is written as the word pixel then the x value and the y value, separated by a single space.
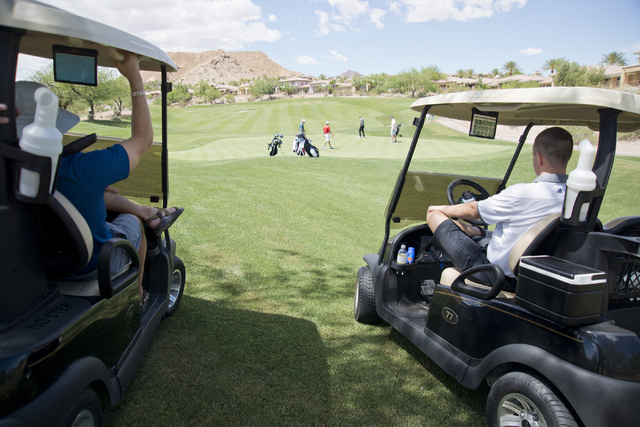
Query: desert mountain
pixel 221 67
pixel 350 74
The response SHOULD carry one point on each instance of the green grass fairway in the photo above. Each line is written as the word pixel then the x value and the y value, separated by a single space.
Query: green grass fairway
pixel 265 334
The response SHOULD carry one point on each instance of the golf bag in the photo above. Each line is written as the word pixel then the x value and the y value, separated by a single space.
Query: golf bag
pixel 311 150
pixel 275 144
pixel 398 130
pixel 299 144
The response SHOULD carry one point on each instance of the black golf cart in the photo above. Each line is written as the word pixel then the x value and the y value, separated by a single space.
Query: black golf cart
pixel 564 348
pixel 66 348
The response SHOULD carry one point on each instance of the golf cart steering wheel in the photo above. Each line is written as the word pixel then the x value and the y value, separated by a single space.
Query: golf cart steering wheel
pixel 484 194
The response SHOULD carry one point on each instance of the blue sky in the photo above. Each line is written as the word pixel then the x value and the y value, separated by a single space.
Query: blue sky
pixel 377 36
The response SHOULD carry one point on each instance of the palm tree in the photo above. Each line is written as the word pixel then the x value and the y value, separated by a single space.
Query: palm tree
pixel 614 58
pixel 495 72
pixel 460 73
pixel 470 73
pixel 512 68
pixel 552 64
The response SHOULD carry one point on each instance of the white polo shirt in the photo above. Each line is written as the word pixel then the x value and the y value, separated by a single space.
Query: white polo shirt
pixel 516 209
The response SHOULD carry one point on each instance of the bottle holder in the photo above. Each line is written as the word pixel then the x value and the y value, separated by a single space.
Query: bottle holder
pixel 582 198
pixel 24 160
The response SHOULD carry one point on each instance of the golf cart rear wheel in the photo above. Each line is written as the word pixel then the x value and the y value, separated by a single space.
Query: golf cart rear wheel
pixel 519 399
pixel 364 307
pixel 177 287
pixel 86 412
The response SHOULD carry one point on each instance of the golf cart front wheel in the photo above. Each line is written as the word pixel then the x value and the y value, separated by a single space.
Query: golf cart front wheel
pixel 519 399
pixel 177 287
pixel 364 305
pixel 86 412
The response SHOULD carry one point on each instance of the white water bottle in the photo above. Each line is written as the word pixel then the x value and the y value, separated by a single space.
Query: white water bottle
pixel 402 255
pixel 580 179
pixel 41 138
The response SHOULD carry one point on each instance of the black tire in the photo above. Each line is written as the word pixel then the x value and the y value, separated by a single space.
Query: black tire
pixel 364 305
pixel 86 412
pixel 521 399
pixel 178 278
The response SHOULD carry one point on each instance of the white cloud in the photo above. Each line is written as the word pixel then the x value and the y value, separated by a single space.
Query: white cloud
pixel 337 57
pixel 531 51
pixel 326 24
pixel 181 25
pixel 323 23
pixel 305 60
pixel 376 16
pixel 349 9
pixel 272 18
pixel 344 13
pixel 458 10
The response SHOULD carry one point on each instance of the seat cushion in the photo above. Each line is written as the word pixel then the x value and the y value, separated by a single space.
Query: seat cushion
pixel 450 274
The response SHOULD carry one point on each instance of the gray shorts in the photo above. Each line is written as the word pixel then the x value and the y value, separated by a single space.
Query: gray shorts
pixel 125 226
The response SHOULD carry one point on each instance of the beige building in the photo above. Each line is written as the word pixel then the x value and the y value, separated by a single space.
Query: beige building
pixel 618 76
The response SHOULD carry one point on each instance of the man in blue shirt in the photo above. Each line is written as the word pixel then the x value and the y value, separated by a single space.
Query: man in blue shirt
pixel 84 177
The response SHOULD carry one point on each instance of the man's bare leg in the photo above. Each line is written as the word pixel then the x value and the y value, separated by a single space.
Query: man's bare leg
pixel 117 203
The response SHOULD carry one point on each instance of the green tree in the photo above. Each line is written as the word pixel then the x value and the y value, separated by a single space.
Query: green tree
pixel 377 81
pixel 63 91
pixel 322 77
pixel 512 68
pixel 407 81
pixel 552 64
pixel 97 95
pixel 573 74
pixel 614 58
pixel 429 77
pixel 120 94
pixel 495 72
pixel 180 94
pixel 264 86
pixel 211 95
pixel 470 73
pixel 202 88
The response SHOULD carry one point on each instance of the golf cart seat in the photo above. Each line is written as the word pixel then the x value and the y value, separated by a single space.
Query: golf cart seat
pixel 625 226
pixel 527 244
pixel 71 249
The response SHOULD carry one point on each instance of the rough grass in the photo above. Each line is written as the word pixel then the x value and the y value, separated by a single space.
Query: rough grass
pixel 265 333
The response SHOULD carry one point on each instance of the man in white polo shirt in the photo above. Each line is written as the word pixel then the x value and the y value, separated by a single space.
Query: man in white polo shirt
pixel 515 210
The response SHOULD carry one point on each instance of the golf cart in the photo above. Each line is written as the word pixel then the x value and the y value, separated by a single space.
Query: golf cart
pixel 66 347
pixel 564 348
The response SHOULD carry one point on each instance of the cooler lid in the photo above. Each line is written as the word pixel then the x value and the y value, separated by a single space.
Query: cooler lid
pixel 562 270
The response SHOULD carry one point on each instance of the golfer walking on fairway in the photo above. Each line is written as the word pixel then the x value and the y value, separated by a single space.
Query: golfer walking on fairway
pixel 327 138
pixel 393 129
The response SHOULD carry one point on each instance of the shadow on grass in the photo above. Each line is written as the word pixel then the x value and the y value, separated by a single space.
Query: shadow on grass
pixel 212 365
pixel 221 360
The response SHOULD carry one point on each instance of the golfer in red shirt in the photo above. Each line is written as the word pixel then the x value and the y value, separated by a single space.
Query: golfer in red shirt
pixel 327 138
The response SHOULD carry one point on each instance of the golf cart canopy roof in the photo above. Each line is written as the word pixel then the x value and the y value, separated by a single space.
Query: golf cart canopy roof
pixel 47 26
pixel 562 106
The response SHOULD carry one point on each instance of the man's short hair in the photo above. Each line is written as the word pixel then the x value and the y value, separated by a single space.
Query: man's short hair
pixel 556 145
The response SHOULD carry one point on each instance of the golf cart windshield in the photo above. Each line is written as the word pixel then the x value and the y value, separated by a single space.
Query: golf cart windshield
pixel 423 189
pixel 145 180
